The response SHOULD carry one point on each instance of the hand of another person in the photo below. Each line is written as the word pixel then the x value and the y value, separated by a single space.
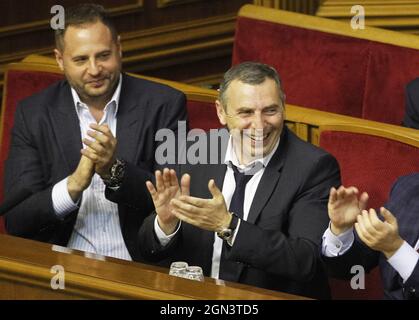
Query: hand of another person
pixel 101 150
pixel 167 188
pixel 81 178
pixel 379 235
pixel 207 214
pixel 344 206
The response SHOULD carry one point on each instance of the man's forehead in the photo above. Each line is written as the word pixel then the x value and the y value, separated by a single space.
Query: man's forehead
pixel 238 84
pixel 241 90
pixel 87 31
pixel 81 46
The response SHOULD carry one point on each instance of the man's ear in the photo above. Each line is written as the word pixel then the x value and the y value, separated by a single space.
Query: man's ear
pixel 220 112
pixel 59 58
pixel 119 46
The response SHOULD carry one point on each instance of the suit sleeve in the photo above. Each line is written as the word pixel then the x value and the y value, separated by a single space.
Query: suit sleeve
pixel 294 251
pixel 33 217
pixel 133 191
pixel 411 118
pixel 412 284
pixel 404 189
pixel 150 246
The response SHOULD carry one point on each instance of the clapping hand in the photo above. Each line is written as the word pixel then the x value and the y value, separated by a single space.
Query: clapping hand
pixel 344 206
pixel 167 188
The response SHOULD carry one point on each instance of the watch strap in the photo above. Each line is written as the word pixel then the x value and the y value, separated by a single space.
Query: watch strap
pixel 227 233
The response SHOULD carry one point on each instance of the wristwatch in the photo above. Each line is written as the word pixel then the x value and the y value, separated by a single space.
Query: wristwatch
pixel 117 172
pixel 227 233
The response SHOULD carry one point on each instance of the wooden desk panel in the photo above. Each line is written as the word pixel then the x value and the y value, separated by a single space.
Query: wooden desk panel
pixel 25 274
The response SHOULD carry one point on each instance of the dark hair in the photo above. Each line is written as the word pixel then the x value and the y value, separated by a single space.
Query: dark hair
pixel 250 73
pixel 82 14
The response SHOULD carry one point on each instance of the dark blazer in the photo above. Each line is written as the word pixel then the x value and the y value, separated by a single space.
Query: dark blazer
pixel 404 204
pixel 277 247
pixel 45 148
pixel 411 117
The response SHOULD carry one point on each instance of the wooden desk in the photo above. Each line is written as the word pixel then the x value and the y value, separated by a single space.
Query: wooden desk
pixel 25 273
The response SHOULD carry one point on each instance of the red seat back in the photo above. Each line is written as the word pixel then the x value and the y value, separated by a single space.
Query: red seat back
pixel 202 115
pixel 19 84
pixel 326 65
pixel 372 163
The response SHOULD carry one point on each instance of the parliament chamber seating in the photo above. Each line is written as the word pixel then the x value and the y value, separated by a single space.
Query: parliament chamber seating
pixel 371 158
pixel 36 72
pixel 326 65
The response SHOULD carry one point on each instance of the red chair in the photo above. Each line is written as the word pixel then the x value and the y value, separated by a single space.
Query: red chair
pixel 371 157
pixel 35 73
pixel 326 65
pixel 21 81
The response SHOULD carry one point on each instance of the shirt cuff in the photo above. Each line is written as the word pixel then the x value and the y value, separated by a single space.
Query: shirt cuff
pixel 163 238
pixel 230 241
pixel 404 260
pixel 333 245
pixel 61 200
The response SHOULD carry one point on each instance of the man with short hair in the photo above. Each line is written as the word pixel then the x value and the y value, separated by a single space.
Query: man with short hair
pixel 257 216
pixel 79 145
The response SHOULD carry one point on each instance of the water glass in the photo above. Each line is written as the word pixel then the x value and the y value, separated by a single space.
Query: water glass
pixel 178 269
pixel 194 273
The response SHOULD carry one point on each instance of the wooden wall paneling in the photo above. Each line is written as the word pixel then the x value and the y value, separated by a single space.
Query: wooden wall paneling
pixel 167 51
pixel 27 11
pixel 38 34
pixel 165 3
pixel 301 6
pixel 398 15
pixel 182 40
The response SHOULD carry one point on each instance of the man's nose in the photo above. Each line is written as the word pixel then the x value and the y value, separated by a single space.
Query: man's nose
pixel 94 68
pixel 258 121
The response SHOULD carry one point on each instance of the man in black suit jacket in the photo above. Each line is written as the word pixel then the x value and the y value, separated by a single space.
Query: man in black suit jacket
pixel 411 117
pixel 65 188
pixel 390 243
pixel 270 234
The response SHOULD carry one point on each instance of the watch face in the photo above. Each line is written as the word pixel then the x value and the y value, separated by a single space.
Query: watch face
pixel 119 170
pixel 117 174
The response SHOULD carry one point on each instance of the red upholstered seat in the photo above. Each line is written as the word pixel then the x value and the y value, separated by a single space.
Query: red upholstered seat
pixel 202 115
pixel 372 163
pixel 327 66
pixel 36 73
pixel 19 84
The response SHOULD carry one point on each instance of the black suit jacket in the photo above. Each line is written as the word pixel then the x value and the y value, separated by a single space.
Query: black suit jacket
pixel 411 118
pixel 404 204
pixel 45 148
pixel 277 247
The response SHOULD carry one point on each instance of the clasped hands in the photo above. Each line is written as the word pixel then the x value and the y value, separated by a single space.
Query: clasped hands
pixel 173 203
pixel 348 209
pixel 98 156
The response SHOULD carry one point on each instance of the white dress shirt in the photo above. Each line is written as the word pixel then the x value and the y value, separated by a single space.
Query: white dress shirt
pixel 227 191
pixel 403 260
pixel 97 229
